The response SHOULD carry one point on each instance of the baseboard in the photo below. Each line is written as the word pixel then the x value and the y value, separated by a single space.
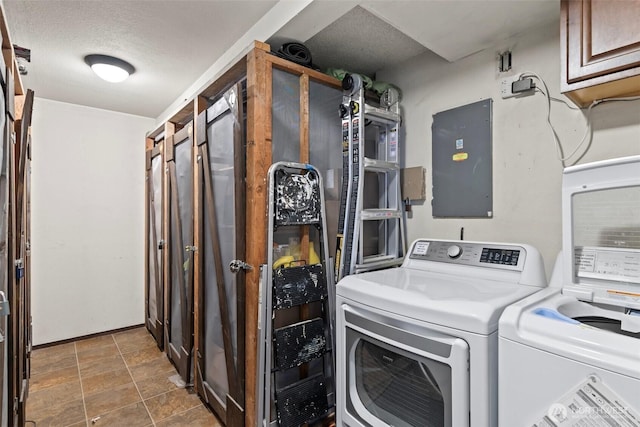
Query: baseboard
pixel 83 337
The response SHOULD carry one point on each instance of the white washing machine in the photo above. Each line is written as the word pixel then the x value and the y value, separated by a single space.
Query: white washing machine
pixel 570 355
pixel 417 345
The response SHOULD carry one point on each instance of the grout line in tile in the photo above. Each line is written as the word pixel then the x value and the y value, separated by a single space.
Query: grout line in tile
pixel 129 404
pixel 84 406
pixel 95 346
pixel 185 411
pixel 153 397
pixel 159 394
pixel 84 396
pixel 135 383
pixel 118 408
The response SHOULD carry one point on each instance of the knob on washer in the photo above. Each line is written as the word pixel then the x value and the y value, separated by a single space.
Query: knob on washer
pixel 454 251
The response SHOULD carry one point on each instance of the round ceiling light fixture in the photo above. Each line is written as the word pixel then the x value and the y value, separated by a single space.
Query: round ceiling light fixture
pixel 109 68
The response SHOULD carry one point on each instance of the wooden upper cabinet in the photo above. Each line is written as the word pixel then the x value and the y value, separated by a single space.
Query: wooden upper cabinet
pixel 600 45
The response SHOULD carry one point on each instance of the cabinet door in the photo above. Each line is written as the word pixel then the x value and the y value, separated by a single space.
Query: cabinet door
pixel 602 37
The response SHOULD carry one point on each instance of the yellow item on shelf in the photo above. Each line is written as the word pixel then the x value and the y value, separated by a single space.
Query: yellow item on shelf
pixel 287 260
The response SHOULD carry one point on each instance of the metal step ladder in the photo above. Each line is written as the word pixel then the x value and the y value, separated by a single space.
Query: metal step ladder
pixel 296 362
pixel 371 223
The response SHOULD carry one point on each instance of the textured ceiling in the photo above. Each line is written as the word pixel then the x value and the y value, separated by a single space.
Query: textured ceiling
pixel 175 44
pixel 170 43
pixel 457 28
pixel 370 35
pixel 361 43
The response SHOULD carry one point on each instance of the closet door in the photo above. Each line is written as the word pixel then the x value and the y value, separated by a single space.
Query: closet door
pixel 154 261
pixel 179 316
pixel 20 316
pixel 221 195
pixel 4 260
pixel 25 254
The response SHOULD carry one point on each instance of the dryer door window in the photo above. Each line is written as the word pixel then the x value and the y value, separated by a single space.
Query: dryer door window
pixel 401 390
pixel 401 378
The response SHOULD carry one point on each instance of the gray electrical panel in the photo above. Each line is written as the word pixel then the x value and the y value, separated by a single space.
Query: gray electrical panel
pixel 462 162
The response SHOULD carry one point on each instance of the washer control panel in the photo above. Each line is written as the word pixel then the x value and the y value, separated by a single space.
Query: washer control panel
pixel 510 257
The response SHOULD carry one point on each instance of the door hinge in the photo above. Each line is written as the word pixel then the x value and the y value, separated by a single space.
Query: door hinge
pixel 190 248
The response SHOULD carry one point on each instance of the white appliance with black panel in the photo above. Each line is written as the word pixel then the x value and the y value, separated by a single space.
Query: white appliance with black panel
pixel 417 345
pixel 570 355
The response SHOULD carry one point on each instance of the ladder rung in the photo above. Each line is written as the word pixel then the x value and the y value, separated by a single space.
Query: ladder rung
pixel 380 214
pixel 299 343
pixel 376 165
pixel 377 265
pixel 378 257
pixel 380 114
pixel 298 285
pixel 302 402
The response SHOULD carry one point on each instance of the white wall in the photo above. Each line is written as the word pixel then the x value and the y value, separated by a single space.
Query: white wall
pixel 87 220
pixel 526 172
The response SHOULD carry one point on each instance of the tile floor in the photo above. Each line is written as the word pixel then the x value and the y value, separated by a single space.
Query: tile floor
pixel 110 380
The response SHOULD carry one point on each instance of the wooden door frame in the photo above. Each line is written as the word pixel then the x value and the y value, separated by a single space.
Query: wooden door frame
pixel 12 285
pixel 260 65
pixel 180 357
pixel 154 149
pixel 257 66
pixel 169 131
pixel 233 414
pixel 7 158
pixel 27 254
pixel 18 286
pixel 26 277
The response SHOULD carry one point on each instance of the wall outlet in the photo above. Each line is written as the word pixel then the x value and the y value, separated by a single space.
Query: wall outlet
pixel 505 87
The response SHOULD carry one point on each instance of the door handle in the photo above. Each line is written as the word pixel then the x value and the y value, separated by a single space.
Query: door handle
pixel 236 265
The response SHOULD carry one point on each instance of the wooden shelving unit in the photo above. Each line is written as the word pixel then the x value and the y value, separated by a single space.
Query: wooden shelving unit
pixel 251 81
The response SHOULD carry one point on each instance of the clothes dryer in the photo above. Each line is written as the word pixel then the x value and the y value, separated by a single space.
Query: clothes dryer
pixel 417 345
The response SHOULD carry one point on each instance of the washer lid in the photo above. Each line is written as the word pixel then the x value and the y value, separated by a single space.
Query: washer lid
pixel 600 223
pixel 527 323
pixel 472 305
pixel 606 275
